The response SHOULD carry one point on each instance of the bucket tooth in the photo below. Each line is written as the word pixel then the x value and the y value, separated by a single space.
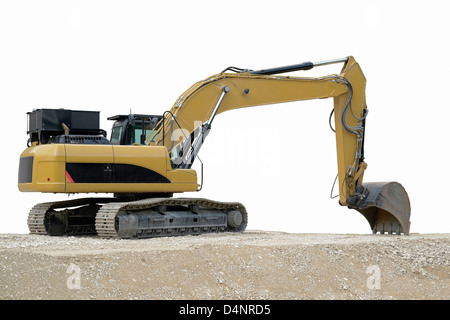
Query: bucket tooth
pixel 385 205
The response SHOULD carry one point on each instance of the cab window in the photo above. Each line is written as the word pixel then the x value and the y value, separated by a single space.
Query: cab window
pixel 116 134
pixel 136 132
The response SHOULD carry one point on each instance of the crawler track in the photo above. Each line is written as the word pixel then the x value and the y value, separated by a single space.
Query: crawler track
pixel 150 217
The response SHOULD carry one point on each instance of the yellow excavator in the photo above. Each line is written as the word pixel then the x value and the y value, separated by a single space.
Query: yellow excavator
pixel 148 158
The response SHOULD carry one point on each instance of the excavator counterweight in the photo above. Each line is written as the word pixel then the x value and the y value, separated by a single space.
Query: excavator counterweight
pixel 148 158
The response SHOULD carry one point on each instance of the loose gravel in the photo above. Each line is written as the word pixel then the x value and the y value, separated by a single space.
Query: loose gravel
pixel 249 265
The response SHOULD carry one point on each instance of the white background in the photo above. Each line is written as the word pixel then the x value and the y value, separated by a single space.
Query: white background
pixel 111 56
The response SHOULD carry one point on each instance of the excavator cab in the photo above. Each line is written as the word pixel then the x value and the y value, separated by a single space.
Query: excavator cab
pixel 132 129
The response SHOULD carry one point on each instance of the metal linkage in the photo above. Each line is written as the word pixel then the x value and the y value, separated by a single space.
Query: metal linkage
pixel 297 67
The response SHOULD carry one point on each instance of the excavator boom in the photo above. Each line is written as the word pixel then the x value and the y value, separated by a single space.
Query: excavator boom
pixel 160 163
pixel 385 205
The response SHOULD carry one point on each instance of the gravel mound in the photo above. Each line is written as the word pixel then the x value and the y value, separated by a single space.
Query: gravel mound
pixel 249 265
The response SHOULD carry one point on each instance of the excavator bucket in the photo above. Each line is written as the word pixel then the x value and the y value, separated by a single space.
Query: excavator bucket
pixel 385 205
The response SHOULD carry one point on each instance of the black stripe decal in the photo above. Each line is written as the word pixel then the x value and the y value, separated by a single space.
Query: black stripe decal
pixel 112 173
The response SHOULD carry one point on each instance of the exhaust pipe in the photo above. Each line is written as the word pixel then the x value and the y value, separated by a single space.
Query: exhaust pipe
pixel 385 205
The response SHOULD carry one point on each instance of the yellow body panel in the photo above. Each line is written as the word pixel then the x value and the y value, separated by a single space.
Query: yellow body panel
pixel 50 161
pixel 93 153
pixel 129 188
pixel 48 170
pixel 154 158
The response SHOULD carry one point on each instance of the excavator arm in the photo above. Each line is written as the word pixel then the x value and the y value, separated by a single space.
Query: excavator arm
pixel 184 128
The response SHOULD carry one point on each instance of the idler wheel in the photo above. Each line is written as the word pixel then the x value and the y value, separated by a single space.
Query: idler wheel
pixel 234 219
